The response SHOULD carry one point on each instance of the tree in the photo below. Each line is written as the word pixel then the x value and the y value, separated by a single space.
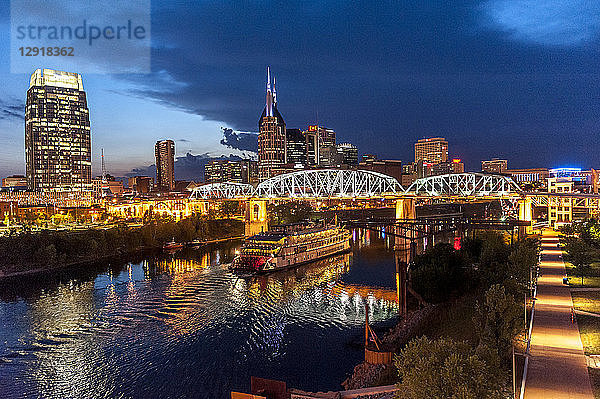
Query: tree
pixel 498 320
pixel 522 260
pixel 438 273
pixel 290 212
pixel 493 261
pixel 444 368
pixel 229 208
pixel 579 255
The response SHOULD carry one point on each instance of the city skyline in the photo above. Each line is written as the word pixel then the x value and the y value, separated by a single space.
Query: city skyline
pixel 527 91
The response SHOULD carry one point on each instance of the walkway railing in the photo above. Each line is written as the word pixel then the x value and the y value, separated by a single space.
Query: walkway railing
pixel 524 379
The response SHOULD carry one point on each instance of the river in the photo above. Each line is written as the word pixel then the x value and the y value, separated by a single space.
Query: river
pixel 183 326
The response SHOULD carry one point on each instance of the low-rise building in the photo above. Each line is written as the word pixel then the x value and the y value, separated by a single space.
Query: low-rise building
pixel 389 167
pixel 534 177
pixel 495 165
pixel 14 181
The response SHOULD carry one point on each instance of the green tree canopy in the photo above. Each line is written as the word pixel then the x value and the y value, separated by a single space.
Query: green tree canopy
pixel 438 272
pixel 497 320
pixel 444 368
pixel 579 253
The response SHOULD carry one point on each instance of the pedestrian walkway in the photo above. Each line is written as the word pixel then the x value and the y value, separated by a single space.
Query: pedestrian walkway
pixel 557 366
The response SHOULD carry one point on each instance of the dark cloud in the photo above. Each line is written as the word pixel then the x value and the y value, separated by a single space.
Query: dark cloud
pixel 12 111
pixel 240 140
pixel 384 74
pixel 187 167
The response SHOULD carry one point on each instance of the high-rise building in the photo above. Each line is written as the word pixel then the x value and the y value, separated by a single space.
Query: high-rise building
pixel 326 136
pixel 312 148
pixel 238 171
pixel 348 153
pixel 329 157
pixel 445 168
pixel 141 184
pixel 296 148
pixel 58 148
pixel 495 165
pixel 271 136
pixel 432 150
pixel 165 164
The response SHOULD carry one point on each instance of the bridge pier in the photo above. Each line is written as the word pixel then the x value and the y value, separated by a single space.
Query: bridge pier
pixel 402 258
pixel 256 217
pixel 526 214
pixel 405 209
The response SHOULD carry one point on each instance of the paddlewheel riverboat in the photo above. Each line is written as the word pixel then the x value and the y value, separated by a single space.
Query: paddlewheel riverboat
pixel 290 245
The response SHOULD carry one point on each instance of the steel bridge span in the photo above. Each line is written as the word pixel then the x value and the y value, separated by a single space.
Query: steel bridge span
pixel 349 184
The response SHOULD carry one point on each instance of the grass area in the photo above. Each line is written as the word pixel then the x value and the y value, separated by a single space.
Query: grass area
pixel 591 281
pixel 589 330
pixel 455 320
pixel 588 301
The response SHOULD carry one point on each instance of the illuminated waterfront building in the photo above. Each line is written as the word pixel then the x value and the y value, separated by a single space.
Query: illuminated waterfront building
pixel 431 150
pixel 494 165
pixel 271 136
pixel 238 171
pixel 165 164
pixel 57 133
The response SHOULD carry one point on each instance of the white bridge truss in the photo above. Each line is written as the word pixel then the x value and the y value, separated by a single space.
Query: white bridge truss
pixel 226 190
pixel 465 185
pixel 338 183
pixel 326 183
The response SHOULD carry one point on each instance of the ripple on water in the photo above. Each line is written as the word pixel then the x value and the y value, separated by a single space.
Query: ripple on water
pixel 197 332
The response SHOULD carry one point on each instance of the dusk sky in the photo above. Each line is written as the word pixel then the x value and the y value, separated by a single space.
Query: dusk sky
pixel 515 79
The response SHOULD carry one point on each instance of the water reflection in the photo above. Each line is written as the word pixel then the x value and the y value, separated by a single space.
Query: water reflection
pixel 182 324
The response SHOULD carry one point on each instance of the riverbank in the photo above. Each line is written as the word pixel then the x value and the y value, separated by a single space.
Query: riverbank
pixel 30 254
pixel 367 375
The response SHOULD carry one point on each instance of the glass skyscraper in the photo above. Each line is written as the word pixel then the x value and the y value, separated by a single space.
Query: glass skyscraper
pixel 57 133
pixel 165 164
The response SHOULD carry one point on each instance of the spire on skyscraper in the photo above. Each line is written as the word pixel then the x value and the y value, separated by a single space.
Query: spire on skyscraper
pixel 274 92
pixel 269 104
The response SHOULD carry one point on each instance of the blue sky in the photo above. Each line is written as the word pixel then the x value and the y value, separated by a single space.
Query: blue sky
pixel 515 79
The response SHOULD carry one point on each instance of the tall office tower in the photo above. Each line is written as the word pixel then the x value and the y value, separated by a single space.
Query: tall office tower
pixel 271 136
pixel 295 148
pixel 58 152
pixel 312 148
pixel 431 151
pixel 165 164
pixel 319 141
pixel 495 165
